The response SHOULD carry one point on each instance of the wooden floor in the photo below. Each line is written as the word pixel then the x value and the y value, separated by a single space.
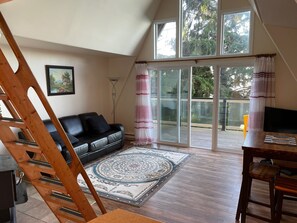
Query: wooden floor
pixel 228 140
pixel 204 190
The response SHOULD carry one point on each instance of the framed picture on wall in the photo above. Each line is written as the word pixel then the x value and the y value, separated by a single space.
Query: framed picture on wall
pixel 60 80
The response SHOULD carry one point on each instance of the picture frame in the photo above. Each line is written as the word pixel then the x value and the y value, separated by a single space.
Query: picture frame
pixel 60 80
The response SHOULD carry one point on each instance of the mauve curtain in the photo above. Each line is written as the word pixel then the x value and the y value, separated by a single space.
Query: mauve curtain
pixel 143 116
pixel 262 91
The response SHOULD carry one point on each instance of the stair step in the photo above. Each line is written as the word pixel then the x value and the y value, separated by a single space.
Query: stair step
pixel 40 166
pixel 71 211
pixel 70 214
pixel 62 196
pixel 12 122
pixel 26 142
pixel 3 97
pixel 51 180
pixel 49 186
pixel 39 162
pixel 61 200
pixel 25 145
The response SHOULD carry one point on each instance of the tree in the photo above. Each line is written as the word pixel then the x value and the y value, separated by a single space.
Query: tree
pixel 199 34
pixel 236 33
pixel 235 82
pixel 199 38
pixel 202 83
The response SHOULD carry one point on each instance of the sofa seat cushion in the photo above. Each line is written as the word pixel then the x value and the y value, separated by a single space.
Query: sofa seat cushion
pixel 113 137
pixel 98 144
pixel 81 149
pixel 98 124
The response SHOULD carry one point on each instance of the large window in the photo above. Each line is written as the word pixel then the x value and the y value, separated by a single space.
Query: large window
pixel 202 103
pixel 203 33
pixel 236 33
pixel 165 40
pixel 199 27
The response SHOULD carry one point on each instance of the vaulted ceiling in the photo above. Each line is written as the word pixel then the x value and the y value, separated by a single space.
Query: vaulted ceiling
pixel 276 12
pixel 279 18
pixel 119 27
pixel 99 26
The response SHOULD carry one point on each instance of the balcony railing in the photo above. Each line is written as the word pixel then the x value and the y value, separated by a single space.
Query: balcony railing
pixel 231 112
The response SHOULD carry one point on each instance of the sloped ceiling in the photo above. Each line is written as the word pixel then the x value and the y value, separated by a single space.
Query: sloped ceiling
pixel 104 26
pixel 277 12
pixel 279 18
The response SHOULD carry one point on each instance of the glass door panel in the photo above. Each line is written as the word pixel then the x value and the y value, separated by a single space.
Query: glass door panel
pixel 169 98
pixel 235 85
pixel 154 75
pixel 169 84
pixel 184 106
pixel 202 106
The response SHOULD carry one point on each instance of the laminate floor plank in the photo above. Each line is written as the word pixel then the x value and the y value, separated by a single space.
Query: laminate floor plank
pixel 204 190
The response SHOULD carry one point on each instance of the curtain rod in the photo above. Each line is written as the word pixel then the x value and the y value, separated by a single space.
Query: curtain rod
pixel 210 58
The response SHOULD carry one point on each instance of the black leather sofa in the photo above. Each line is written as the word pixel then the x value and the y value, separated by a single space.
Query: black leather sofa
pixel 91 136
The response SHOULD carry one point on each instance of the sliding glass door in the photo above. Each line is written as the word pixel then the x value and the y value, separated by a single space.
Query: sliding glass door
pixel 202 106
pixel 234 87
pixel 170 102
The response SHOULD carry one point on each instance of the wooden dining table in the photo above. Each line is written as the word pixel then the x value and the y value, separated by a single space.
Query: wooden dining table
pixel 254 146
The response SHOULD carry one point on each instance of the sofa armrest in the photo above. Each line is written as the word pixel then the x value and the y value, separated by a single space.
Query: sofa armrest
pixel 22 136
pixel 119 127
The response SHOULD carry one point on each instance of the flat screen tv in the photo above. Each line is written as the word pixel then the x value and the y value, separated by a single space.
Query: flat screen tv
pixel 280 120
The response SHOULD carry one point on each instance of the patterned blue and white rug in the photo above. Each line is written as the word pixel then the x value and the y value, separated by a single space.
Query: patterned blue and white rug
pixel 133 175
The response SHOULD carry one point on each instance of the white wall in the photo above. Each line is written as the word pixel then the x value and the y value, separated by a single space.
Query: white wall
pixel 92 89
pixel 125 102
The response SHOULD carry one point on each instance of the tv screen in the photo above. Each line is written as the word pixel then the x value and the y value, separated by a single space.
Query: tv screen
pixel 280 120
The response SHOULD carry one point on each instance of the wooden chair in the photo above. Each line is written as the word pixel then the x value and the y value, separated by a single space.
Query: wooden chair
pixel 285 188
pixel 289 168
pixel 264 172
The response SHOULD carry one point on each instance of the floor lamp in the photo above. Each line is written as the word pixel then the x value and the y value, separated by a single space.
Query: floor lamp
pixel 113 81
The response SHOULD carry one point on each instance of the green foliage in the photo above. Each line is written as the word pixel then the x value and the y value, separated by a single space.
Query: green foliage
pixel 236 33
pixel 203 82
pixel 235 82
pixel 199 38
pixel 199 33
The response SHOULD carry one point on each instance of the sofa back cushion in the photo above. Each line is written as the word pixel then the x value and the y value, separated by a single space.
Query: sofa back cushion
pixel 57 138
pixel 84 117
pixel 72 125
pixel 98 124
pixel 49 125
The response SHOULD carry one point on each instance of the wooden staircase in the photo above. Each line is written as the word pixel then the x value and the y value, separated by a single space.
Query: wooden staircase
pixel 39 158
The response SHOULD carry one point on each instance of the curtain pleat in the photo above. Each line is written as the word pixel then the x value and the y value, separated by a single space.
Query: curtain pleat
pixel 262 91
pixel 143 112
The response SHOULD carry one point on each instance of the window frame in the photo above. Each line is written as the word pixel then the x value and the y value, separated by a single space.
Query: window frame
pixel 217 65
pixel 219 42
pixel 180 47
pixel 155 33
pixel 251 31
